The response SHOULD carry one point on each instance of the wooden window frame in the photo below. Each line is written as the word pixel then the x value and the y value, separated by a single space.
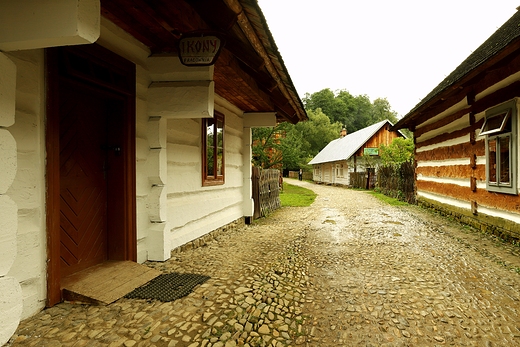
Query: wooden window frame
pixel 497 136
pixel 215 178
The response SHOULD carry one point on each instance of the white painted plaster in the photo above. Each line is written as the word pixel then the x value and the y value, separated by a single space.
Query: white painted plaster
pixel 463 182
pixel 7 91
pixel 27 190
pixel 48 23
pixel 8 160
pixel 513 217
pixel 451 142
pixel 10 307
pixel 190 99
pixel 120 42
pixel 194 210
pixel 249 204
pixel 159 247
pixel 259 119
pixel 445 200
pixel 497 86
pixel 8 230
pixel 456 107
pixel 447 162
pixel 156 132
pixel 167 68
pixel 459 123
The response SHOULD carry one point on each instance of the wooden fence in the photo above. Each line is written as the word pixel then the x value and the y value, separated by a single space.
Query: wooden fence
pixel 266 191
pixel 398 181
pixel 363 180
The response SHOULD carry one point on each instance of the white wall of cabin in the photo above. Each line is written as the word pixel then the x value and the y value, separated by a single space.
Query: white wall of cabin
pixel 194 210
pixel 28 188
pixel 22 144
pixel 191 210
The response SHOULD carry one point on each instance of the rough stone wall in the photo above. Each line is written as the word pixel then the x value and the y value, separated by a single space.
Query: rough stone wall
pixel 205 239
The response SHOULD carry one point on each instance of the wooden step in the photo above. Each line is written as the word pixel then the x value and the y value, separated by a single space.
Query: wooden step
pixel 105 283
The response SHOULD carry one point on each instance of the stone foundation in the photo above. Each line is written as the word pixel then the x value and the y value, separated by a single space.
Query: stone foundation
pixel 502 228
pixel 209 237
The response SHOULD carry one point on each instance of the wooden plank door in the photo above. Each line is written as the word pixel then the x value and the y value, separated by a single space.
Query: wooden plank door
pixel 83 179
pixel 90 161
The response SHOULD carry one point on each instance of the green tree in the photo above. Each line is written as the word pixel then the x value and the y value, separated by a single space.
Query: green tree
pixel 382 110
pixel 317 132
pixel 353 112
pixel 399 151
pixel 292 146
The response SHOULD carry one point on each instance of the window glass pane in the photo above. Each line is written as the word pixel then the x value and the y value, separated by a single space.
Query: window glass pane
pixel 505 172
pixel 209 132
pixel 210 164
pixel 492 157
pixel 219 161
pixel 496 123
pixel 213 150
pixel 220 132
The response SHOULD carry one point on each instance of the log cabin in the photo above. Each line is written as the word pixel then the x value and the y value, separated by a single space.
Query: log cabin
pixel 466 137
pixel 125 132
pixel 352 153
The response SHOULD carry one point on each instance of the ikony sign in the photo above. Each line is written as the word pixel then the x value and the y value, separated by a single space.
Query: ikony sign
pixel 199 49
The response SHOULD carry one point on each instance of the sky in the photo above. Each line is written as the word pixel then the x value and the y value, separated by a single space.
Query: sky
pixel 399 50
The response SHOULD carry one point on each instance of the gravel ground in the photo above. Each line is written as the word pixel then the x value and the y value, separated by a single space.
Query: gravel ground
pixel 347 271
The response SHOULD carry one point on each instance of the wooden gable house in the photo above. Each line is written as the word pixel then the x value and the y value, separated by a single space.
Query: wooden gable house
pixel 111 149
pixel 466 137
pixel 353 153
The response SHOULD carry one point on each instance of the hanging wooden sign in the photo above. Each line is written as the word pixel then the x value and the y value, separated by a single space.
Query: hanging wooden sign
pixel 199 49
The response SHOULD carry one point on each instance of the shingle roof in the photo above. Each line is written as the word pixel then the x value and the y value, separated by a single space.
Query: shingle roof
pixel 343 148
pixel 508 32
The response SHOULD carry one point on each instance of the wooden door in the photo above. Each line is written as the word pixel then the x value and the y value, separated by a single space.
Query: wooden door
pixel 90 148
pixel 83 178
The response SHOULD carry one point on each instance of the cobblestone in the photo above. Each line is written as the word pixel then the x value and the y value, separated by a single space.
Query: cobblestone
pixel 347 271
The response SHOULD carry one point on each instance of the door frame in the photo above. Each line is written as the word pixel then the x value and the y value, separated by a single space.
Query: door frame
pixel 127 72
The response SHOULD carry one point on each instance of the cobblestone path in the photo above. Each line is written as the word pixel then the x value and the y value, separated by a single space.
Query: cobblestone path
pixel 347 271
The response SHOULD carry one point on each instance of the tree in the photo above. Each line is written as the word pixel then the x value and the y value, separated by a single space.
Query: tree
pixel 317 132
pixel 382 110
pixel 399 151
pixel 353 112
pixel 290 146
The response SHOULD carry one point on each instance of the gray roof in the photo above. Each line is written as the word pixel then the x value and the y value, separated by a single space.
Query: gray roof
pixel 345 147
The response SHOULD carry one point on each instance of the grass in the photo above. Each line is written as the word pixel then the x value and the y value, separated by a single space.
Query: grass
pixel 295 196
pixel 387 199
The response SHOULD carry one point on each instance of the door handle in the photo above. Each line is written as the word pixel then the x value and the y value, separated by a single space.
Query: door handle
pixel 116 149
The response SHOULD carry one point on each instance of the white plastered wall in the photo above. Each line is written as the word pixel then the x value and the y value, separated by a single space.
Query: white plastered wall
pixel 28 188
pixel 193 210
pixel 22 212
pixel 11 302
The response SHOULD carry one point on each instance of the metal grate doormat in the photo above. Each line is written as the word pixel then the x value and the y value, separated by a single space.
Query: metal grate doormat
pixel 168 287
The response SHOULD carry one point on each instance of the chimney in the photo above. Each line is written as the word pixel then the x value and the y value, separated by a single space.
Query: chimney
pixel 343 132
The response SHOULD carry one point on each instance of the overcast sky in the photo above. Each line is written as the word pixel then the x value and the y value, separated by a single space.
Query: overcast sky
pixel 399 50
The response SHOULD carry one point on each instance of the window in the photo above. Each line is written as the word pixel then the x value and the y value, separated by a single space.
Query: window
pixel 213 150
pixel 500 130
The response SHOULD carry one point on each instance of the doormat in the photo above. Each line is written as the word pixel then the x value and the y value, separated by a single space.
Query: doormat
pixel 168 287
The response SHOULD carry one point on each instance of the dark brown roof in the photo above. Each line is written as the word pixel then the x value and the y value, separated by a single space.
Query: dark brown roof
pixel 249 72
pixel 505 35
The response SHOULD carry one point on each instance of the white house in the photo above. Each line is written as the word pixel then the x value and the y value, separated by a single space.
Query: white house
pixel 356 152
pixel 110 147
